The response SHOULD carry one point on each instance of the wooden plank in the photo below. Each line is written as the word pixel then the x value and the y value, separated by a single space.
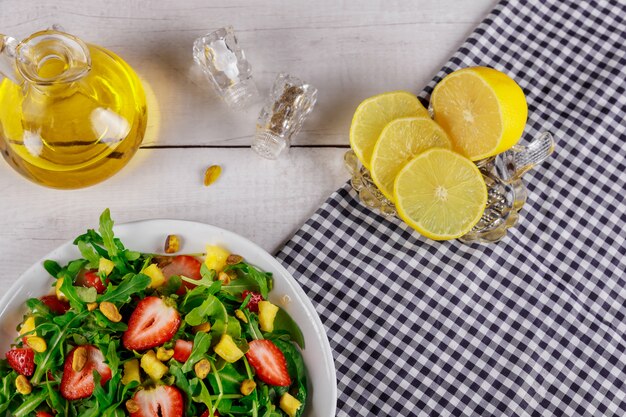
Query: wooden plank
pixel 263 200
pixel 348 50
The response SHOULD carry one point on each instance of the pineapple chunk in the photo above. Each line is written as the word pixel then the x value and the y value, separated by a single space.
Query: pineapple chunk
pixel 289 404
pixel 228 350
pixel 28 326
pixel 156 275
pixel 216 257
pixel 267 314
pixel 106 266
pixel 57 288
pixel 131 372
pixel 152 366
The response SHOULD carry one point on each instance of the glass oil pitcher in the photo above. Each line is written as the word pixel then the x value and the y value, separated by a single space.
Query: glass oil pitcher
pixel 71 114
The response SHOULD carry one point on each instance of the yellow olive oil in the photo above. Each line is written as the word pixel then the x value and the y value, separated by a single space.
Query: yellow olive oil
pixel 77 133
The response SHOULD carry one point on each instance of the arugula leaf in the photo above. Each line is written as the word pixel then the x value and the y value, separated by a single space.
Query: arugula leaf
pixel 284 322
pixel 183 383
pixel 211 307
pixel 201 345
pixel 296 368
pixel 30 403
pixel 130 284
pixel 52 267
pixel 106 231
pixel 263 279
pixel 89 253
pixel 71 293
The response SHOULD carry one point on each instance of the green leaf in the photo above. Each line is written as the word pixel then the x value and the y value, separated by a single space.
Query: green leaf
pixel 201 345
pixel 211 307
pixel 263 279
pixel 106 231
pixel 297 370
pixel 30 403
pixel 284 322
pixel 71 293
pixel 89 253
pixel 52 267
pixel 130 284
pixel 241 284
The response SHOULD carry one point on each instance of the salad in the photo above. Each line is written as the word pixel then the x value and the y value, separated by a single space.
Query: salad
pixel 146 335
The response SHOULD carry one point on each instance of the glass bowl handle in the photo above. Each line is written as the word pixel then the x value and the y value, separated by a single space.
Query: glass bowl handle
pixel 520 159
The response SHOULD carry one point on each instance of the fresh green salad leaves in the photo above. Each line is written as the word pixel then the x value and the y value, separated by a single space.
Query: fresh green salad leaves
pixel 204 358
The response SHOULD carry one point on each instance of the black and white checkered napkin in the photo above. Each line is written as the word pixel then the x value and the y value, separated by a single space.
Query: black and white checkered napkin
pixel 534 325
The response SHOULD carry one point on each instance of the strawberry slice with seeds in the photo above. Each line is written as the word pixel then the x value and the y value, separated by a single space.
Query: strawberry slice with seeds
pixel 151 324
pixel 22 360
pixel 268 362
pixel 91 279
pixel 182 350
pixel 162 401
pixel 55 305
pixel 184 265
pixel 76 385
pixel 253 303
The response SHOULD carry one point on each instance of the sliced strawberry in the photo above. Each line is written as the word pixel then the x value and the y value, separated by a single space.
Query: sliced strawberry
pixel 206 414
pixel 162 401
pixel 253 303
pixel 151 324
pixel 55 305
pixel 43 414
pixel 184 265
pixel 182 350
pixel 91 279
pixel 22 360
pixel 77 385
pixel 268 362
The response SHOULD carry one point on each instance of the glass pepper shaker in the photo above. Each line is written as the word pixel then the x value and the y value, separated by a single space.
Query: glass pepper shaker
pixel 290 102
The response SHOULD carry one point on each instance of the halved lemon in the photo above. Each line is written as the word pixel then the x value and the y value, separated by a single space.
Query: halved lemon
pixel 372 116
pixel 483 111
pixel 441 194
pixel 398 143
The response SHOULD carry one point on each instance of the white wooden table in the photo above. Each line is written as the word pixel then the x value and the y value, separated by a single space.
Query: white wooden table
pixel 348 49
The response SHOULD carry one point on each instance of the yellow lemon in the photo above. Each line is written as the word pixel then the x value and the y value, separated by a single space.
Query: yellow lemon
pixel 483 111
pixel 398 143
pixel 372 116
pixel 441 194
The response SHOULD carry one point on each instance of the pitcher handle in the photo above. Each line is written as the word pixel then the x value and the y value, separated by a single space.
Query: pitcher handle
pixel 8 59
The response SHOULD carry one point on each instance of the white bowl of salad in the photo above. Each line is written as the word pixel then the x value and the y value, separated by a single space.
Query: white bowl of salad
pixel 162 318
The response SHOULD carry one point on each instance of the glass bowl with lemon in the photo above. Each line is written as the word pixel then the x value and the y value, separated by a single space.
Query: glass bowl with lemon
pixel 452 171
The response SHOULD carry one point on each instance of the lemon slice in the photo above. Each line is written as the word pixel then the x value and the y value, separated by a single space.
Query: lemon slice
pixel 372 116
pixel 398 143
pixel 441 194
pixel 482 110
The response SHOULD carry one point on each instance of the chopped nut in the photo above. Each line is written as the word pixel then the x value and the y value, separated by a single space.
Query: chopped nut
pixel 37 344
pixel 172 244
pixel 163 354
pixel 79 359
pixel 239 314
pixel 234 259
pixel 211 174
pixel 132 406
pixel 92 306
pixel 110 311
pixel 23 385
pixel 224 277
pixel 202 368
pixel 204 328
pixel 247 387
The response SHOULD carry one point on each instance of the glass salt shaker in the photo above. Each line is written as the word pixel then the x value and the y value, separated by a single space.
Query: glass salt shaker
pixel 281 118
pixel 224 64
